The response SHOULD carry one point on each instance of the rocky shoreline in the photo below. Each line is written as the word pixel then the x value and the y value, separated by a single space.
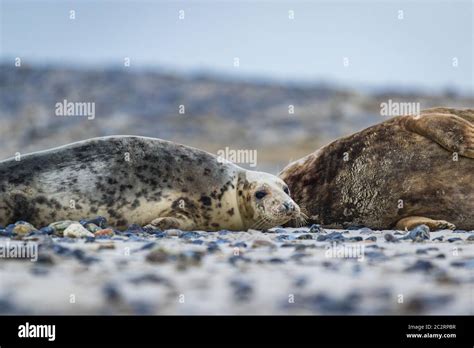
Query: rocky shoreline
pixel 86 267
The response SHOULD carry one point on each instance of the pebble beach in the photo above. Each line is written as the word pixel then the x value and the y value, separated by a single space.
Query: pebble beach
pixel 86 267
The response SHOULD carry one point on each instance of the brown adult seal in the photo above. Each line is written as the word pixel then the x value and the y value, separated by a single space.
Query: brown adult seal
pixel 406 171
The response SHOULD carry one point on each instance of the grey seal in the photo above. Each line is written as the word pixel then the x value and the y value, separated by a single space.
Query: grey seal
pixel 140 180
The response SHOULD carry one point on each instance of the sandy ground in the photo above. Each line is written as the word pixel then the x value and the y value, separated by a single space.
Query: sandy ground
pixel 282 271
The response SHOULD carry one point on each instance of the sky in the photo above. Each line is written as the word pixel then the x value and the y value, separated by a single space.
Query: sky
pixel 363 43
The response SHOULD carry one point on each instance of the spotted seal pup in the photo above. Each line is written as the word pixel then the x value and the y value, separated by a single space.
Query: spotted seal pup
pixel 140 180
pixel 406 171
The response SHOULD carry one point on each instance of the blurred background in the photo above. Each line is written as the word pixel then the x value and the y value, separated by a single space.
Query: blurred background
pixel 279 77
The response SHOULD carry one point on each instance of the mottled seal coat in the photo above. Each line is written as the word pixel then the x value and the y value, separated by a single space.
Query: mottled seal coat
pixel 400 173
pixel 140 180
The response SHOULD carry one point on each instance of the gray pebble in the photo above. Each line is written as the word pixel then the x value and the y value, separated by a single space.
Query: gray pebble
pixel 421 265
pixel 316 229
pixel 390 238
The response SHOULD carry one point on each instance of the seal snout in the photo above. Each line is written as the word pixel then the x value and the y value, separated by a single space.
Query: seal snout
pixel 289 207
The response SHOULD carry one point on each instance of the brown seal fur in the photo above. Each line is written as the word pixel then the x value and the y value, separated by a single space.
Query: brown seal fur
pixel 400 173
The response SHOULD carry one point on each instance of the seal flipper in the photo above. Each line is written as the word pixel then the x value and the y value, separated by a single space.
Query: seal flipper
pixel 454 133
pixel 411 222
pixel 466 114
pixel 170 222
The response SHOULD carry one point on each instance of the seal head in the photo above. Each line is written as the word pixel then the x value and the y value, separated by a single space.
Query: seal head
pixel 264 201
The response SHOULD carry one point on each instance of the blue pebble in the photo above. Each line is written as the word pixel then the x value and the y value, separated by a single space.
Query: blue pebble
pixel 212 247
pixel 222 241
pixel 46 230
pixel 5 233
pixel 99 221
pixel 316 229
pixel 60 250
pixel 148 246
pixel 90 239
pixel 189 235
pixel 135 228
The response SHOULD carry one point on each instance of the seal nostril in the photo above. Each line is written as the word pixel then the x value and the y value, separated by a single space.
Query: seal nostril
pixel 288 206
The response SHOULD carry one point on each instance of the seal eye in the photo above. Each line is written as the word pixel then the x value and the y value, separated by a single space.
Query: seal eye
pixel 260 194
pixel 286 190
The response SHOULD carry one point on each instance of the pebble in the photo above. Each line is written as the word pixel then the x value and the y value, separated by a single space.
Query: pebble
pixel 108 232
pixel 234 259
pixel 316 229
pixel 22 228
pixel 190 235
pixel 365 230
pixel 99 221
pixel 390 238
pixel 470 238
pixel 421 265
pixel 371 238
pixel 276 260
pixel 59 226
pixel 376 255
pixel 440 238
pixel 45 259
pixel 305 236
pixel 111 293
pixel 240 245
pixel 327 304
pixel 333 236
pixel 298 256
pixel 92 227
pixel 421 303
pixel 173 233
pixel 283 237
pixel 469 263
pixel 106 246
pixel 355 239
pixel 189 258
pixel 300 247
pixel 134 228
pixel 213 247
pixel 418 234
pixel 158 256
pixel 222 241
pixel 76 230
pixel 148 246
pixel 454 239
pixel 46 230
pixel 148 278
pixel 83 257
pixel 263 243
pixel 242 290
pixel 5 233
